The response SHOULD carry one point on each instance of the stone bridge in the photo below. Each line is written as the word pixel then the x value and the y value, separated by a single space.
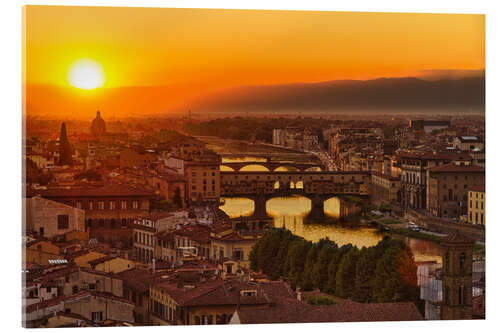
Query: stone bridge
pixel 318 186
pixel 273 165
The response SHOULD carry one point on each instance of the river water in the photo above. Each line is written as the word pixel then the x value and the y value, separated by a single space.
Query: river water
pixel 289 212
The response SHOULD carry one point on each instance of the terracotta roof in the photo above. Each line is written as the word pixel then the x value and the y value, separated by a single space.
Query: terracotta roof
pixel 198 233
pixel 290 311
pixel 71 315
pixel 457 168
pixel 103 259
pixel 121 190
pixel 183 294
pixel 138 279
pixel 50 276
pixel 452 156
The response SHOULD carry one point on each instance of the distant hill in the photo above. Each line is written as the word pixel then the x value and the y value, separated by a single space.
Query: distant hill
pixel 378 94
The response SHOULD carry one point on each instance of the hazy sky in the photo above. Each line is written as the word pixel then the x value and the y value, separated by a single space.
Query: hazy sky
pixel 202 50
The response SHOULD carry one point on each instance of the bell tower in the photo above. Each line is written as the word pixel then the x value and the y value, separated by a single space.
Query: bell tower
pixel 457 277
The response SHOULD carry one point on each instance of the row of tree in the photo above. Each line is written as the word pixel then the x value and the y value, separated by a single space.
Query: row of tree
pixel 382 273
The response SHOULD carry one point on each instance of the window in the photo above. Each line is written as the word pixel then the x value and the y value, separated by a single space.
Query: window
pixel 462 262
pixel 62 222
pixel 91 205
pixel 100 205
pixel 75 289
pixel 79 204
pixel 135 204
pixel 461 295
pixel 238 254
pixel 112 205
pixel 123 205
pixel 97 316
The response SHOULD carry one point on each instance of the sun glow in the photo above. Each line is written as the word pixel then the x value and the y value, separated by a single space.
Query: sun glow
pixel 86 74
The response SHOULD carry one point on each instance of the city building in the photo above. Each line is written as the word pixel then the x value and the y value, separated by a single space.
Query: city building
pixel 278 137
pixel 429 125
pixel 203 178
pixel 208 302
pixel 385 190
pixel 468 143
pixel 476 207
pixel 448 188
pixel 50 218
pixel 144 239
pixel 131 158
pixel 414 168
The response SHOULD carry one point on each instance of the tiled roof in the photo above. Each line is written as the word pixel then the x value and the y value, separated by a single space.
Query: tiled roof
pixel 452 156
pixel 121 190
pixel 456 168
pixel 102 259
pixel 138 279
pixel 198 233
pixel 290 311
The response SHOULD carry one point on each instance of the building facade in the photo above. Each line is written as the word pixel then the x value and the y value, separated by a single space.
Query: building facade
pixel 448 188
pixel 476 207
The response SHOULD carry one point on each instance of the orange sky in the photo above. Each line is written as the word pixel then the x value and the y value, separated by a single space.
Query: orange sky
pixel 195 51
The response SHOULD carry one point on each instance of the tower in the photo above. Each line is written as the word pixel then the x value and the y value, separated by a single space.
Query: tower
pixel 98 127
pixel 457 277
pixel 65 150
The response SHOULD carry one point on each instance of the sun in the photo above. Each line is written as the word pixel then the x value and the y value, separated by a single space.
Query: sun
pixel 86 74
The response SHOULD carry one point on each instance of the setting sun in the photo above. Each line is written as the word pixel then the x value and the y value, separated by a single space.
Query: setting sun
pixel 86 74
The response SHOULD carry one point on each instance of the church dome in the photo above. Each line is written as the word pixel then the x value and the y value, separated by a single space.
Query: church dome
pixel 98 126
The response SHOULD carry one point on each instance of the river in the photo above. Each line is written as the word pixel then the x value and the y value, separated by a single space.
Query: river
pixel 289 212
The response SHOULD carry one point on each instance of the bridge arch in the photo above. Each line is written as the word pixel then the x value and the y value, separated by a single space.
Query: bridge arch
pixel 226 168
pixel 255 167
pixel 286 168
pixel 313 169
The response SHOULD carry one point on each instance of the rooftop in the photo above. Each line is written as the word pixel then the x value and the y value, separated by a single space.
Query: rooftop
pixel 457 168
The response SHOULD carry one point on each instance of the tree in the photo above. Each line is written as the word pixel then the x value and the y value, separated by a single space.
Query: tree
pixel 333 265
pixel 365 268
pixel 306 280
pixel 319 274
pixel 344 285
pixel 65 150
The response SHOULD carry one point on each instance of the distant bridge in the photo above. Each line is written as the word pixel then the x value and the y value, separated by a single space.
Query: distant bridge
pixel 318 186
pixel 273 165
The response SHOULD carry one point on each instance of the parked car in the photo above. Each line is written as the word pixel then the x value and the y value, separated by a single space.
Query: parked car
pixel 412 226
